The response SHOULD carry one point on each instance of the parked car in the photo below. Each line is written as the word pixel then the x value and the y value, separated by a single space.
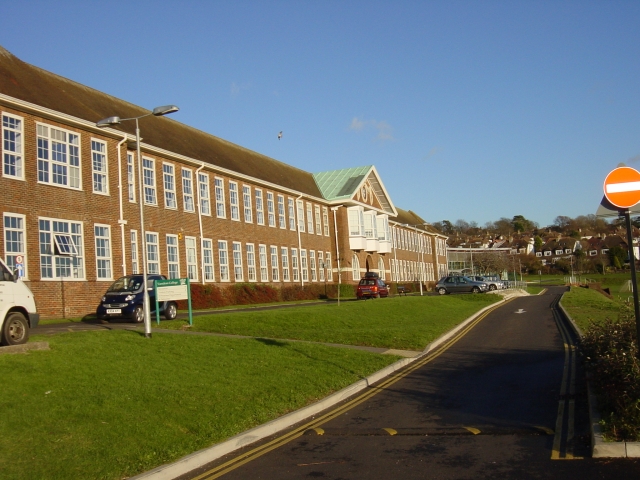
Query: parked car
pixel 124 299
pixel 370 287
pixel 458 284
pixel 493 281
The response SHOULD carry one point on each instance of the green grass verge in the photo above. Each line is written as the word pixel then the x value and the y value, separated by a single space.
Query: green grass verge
pixel 395 322
pixel 107 405
pixel 586 306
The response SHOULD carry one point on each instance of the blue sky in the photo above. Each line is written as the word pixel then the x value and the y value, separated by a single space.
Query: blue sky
pixel 469 110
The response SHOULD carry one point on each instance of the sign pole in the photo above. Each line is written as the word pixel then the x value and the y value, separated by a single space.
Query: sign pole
pixel 634 284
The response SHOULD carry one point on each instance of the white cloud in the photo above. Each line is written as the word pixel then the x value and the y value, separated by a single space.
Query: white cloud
pixel 356 124
pixel 385 131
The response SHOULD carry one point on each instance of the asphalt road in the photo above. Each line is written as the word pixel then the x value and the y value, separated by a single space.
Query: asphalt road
pixel 506 400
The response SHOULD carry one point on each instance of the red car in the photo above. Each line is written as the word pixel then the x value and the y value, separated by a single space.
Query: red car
pixel 372 288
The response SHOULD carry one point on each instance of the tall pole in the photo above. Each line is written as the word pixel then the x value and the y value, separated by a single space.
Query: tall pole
pixel 145 295
pixel 335 230
pixel 632 263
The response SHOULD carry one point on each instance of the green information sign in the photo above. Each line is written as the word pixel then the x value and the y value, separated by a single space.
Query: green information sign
pixel 171 290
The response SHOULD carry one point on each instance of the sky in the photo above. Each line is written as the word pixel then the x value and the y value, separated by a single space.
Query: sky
pixel 472 110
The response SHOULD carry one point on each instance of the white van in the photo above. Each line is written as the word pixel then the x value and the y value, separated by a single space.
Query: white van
pixel 17 308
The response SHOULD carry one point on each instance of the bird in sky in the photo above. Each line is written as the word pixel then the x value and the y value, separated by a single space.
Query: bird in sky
pixel 279 135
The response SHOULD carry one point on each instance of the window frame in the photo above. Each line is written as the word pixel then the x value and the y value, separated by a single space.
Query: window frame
pixel 259 206
pixel 221 208
pixel 234 201
pixel 173 256
pixel 316 211
pixel 271 210
pixel 247 204
pixel 238 271
pixel 208 265
pixel 284 260
pixel 169 186
pixel 310 218
pixel 152 242
pixel 292 213
pixel 275 268
pixel 223 261
pixel 191 257
pixel 251 262
pixel 18 152
pixel 262 262
pixel 71 151
pixel 204 196
pixel 325 221
pixel 295 265
pixel 187 190
pixel 131 177
pixel 135 254
pixel 282 215
pixel 54 262
pixel 149 186
pixel 106 259
pixel 99 176
pixel 19 239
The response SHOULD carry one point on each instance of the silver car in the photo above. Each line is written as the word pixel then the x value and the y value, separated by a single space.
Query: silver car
pixel 493 281
pixel 459 284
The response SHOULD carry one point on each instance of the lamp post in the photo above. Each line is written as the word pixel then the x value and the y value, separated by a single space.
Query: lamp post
pixel 108 122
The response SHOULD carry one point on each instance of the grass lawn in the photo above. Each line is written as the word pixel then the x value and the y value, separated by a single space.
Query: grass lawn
pixel 107 405
pixel 395 322
pixel 586 305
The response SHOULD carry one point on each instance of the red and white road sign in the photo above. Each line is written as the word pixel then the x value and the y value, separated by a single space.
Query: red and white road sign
pixel 622 187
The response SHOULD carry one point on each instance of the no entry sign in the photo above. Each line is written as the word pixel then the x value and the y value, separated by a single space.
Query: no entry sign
pixel 622 187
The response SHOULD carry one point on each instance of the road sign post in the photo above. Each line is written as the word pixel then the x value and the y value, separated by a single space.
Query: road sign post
pixel 622 189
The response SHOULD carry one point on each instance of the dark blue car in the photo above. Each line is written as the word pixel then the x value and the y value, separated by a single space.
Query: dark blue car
pixel 124 300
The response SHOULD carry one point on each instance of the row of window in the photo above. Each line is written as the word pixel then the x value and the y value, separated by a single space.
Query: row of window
pixel 62 255
pixel 411 241
pixel 59 164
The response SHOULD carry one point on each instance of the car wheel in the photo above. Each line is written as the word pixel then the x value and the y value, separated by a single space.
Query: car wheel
pixel 171 311
pixel 442 291
pixel 15 330
pixel 138 314
pixel 475 290
pixel 492 287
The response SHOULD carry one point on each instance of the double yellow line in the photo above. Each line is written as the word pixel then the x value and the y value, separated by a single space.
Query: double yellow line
pixel 251 455
pixel 564 450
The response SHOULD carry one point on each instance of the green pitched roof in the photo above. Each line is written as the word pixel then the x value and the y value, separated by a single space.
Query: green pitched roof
pixel 341 184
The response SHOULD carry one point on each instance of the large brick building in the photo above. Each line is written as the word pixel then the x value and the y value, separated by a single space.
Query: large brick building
pixel 214 211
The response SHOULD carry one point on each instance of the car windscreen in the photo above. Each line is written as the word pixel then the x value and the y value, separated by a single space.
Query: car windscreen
pixel 126 284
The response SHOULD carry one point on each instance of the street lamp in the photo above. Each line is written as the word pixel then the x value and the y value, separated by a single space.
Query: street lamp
pixel 108 122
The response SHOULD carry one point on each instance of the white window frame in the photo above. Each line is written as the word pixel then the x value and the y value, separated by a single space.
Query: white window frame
pixel 152 242
pixel 312 264
pixel 295 264
pixel 262 260
pixel 355 217
pixel 251 262
pixel 355 267
pixel 292 214
pixel 173 256
pixel 381 270
pixel 237 261
pixel 221 211
pixel 188 202
pixel 318 220
pixel 259 207
pixel 310 218
pixel 300 209
pixel 135 258
pixel 284 257
pixel 131 177
pixel 321 265
pixel 223 261
pixel 304 265
pixel 56 262
pixel 234 201
pixel 169 184
pixel 208 265
pixel 282 217
pixel 72 163
pixel 329 267
pixel 99 167
pixel 325 220
pixel 275 270
pixel 204 195
pixel 191 256
pixel 12 137
pixel 15 240
pixel 246 200
pixel 271 210
pixel 102 236
pixel 149 181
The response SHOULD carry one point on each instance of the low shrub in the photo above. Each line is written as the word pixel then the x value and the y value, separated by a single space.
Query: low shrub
pixel 610 351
